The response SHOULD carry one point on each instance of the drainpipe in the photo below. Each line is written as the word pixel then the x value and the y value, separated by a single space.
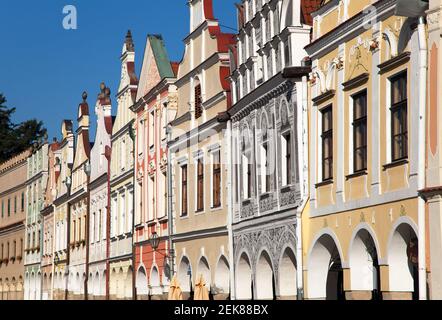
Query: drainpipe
pixel 53 250
pixel 88 215
pixel 423 66
pixel 107 154
pixel 169 197
pixel 230 210
pixel 299 253
pixel 68 245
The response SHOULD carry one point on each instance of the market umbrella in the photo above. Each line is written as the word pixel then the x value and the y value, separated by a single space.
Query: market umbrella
pixel 201 291
pixel 175 292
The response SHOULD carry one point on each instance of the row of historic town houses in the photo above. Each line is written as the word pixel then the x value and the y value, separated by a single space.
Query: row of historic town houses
pixel 297 159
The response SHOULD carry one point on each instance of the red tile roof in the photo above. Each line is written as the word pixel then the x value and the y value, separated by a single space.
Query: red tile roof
pixel 175 67
pixel 307 7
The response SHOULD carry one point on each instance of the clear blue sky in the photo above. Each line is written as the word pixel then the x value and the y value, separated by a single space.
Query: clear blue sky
pixel 44 68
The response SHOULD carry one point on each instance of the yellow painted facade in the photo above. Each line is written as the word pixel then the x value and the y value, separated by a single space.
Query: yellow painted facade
pixel 360 224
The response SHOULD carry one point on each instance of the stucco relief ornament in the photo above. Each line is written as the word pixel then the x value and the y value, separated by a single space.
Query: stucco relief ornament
pixel 358 55
pixel 313 79
pixel 433 19
pixel 151 168
pixel 374 45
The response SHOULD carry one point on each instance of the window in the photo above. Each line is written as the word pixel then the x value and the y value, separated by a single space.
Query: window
pixel 216 179
pixel 399 117
pixel 265 176
pixel 3 208
pixel 360 131
pixel 151 138
pixel 198 102
pixel 122 214
pixel 130 211
pixel 184 190
pixel 9 207
pixel 327 143
pixel 114 217
pixel 14 249
pixel 99 231
pixel 247 176
pixel 28 242
pixel 15 204
pixel 286 159
pixel 93 229
pixel 200 185
pixel 22 201
pixel 21 247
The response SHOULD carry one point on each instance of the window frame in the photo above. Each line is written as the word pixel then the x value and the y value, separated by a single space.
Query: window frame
pixel 184 194
pixel 327 134
pixel 400 107
pixel 359 122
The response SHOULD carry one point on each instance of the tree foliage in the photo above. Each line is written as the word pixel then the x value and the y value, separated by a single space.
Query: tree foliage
pixel 16 138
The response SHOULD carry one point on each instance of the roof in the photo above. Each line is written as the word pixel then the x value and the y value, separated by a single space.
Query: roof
pixel 161 56
pixel 175 68
pixel 307 8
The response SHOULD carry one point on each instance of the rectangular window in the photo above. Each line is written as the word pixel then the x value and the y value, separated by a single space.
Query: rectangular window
pixel 22 201
pixel 200 185
pixel 286 159
pixel 15 204
pixel 3 208
pixel 360 131
pixel 399 117
pixel 327 143
pixel 216 179
pixel 198 102
pixel 184 190
pixel 247 177
pixel 265 177
pixel 9 207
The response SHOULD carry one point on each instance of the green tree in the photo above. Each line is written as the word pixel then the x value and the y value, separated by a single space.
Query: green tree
pixel 16 138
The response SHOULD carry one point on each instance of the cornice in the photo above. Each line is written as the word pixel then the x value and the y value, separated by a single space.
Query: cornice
pixel 350 28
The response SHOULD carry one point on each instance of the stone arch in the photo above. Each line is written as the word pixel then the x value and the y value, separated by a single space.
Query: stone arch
pixel 402 258
pixel 183 276
pixel 222 276
pixel 392 42
pixel 96 284
pixel 244 281
pixel 37 286
pixel 155 283
pixel 287 274
pixel 364 261
pixel 265 277
pixel 142 287
pixel 204 269
pixel 103 283
pixel 128 283
pixel 321 77
pixel 325 275
pixel 113 283
pixel 330 78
